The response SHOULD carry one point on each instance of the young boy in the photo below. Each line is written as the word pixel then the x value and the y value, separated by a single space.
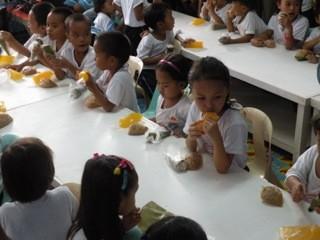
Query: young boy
pixel 216 12
pixel 303 178
pixel 243 19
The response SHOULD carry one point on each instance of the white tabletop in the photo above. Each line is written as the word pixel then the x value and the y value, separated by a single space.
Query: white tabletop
pixel 274 70
pixel 227 206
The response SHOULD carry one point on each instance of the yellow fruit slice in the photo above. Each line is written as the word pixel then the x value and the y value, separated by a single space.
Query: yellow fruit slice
pixel 198 21
pixel 308 232
pixel 130 119
pixel 84 75
pixel 14 75
pixel 194 44
pixel 6 60
pixel 37 78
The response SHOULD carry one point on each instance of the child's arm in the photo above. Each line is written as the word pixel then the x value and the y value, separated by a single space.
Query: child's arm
pixel 231 16
pixel 288 39
pixel 154 59
pixel 204 13
pixel 193 134
pixel 311 43
pixel 14 44
pixel 56 65
pixel 243 39
pixel 217 21
pixel 295 188
pixel 258 41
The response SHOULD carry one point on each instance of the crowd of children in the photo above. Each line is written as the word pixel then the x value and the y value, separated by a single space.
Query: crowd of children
pixel 122 28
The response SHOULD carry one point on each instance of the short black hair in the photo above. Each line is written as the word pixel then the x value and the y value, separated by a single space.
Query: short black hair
pixel 77 17
pixel 251 4
pixel 177 228
pixel 115 44
pixel 155 13
pixel 27 169
pixel 98 5
pixel 64 12
pixel 41 11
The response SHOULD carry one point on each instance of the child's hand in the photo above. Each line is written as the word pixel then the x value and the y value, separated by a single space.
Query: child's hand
pixel 90 84
pixel 144 33
pixel 132 219
pixel 231 14
pixel 297 192
pixel 56 62
pixel 6 36
pixel 194 131
pixel 194 161
pixel 225 40
pixel 284 20
pixel 211 128
pixel 257 42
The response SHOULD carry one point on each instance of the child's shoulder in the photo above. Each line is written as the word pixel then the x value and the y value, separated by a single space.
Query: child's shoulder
pixel 232 116
pixel 123 74
pixel 302 20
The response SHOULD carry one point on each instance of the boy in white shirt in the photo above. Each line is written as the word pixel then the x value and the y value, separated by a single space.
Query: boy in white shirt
pixel 303 178
pixel 216 12
pixel 243 19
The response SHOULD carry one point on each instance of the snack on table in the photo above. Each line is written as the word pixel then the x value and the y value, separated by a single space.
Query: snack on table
pixel 37 78
pixel 307 232
pixel 29 70
pixel 208 116
pixel 137 129
pixel 272 196
pixel 5 119
pixel 130 119
pixel 194 44
pixel 91 102
pixel 198 21
pixel 194 161
pixel 47 83
pixel 6 60
pixel 15 75
pixel 301 55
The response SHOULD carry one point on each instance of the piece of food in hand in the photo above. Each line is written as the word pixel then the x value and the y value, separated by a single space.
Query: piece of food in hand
pixel 47 83
pixel 84 75
pixel 137 129
pixel 208 116
pixel 5 119
pixel 301 55
pixel 270 43
pixel 29 70
pixel 48 50
pixel 91 102
pixel 194 161
pixel 257 42
pixel 15 75
pixel 272 196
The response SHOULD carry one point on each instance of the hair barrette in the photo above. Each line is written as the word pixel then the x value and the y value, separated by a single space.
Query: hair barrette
pixel 170 64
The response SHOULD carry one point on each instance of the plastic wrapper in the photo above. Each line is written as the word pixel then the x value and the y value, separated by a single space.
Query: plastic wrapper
pixel 177 162
pixel 157 136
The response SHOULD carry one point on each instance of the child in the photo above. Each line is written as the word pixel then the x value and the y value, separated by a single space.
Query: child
pixel 79 5
pixel 173 106
pixel 242 18
pixel 108 188
pixel 288 27
pixel 37 22
pixel 132 11
pixel 114 89
pixel 177 228
pixel 216 12
pixel 36 213
pixel 79 55
pixel 303 178
pixel 106 10
pixel 153 46
pixel 226 138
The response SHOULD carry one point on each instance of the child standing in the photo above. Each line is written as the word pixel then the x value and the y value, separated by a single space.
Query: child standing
pixel 303 178
pixel 153 46
pixel 114 89
pixel 242 18
pixel 216 11
pixel 173 105
pixel 36 213
pixel 106 10
pixel 108 188
pixel 226 138
pixel 287 27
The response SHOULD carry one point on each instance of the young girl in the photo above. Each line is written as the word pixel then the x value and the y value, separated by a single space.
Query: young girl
pixel 153 46
pixel 104 21
pixel 108 188
pixel 288 27
pixel 216 12
pixel 173 105
pixel 242 18
pixel 114 89
pixel 226 138
pixel 36 213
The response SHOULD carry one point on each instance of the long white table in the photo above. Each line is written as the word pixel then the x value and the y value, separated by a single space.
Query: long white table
pixel 227 206
pixel 274 70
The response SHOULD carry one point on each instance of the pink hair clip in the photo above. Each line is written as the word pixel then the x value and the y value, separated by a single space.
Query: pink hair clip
pixel 170 64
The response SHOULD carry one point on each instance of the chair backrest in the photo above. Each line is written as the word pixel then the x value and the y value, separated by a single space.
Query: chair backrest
pixel 135 67
pixel 151 111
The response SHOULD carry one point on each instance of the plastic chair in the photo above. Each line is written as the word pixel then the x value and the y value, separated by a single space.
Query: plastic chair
pixel 151 111
pixel 261 128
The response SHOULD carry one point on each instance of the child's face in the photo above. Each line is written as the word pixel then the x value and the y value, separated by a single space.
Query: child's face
pixel 168 22
pixel 209 95
pixel 128 202
pixel 79 35
pixel 168 87
pixel 108 7
pixel 103 60
pixel 33 24
pixel 238 8
pixel 290 7
pixel 55 27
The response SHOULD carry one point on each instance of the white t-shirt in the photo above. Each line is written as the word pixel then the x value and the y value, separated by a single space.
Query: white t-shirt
pixel 251 24
pixel 87 64
pixel 127 7
pixel 119 89
pixel 222 12
pixel 233 129
pixel 103 23
pixel 48 218
pixel 65 45
pixel 315 34
pixel 33 38
pixel 306 5
pixel 149 46
pixel 305 170
pixel 175 115
pixel 300 27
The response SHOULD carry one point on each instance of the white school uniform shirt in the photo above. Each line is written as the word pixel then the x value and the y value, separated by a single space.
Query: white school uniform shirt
pixel 49 217
pixel 103 23
pixel 306 5
pixel 315 34
pixel 119 89
pixel 149 46
pixel 65 45
pixel 305 170
pixel 87 64
pixel 176 114
pixel 251 24
pixel 222 12
pixel 300 27
pixel 28 44
pixel 127 7
pixel 233 129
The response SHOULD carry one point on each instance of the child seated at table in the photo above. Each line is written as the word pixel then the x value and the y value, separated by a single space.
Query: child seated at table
pixel 79 6
pixel 108 188
pixel 243 19
pixel 173 105
pixel 226 137
pixel 115 87
pixel 153 46
pixel 104 22
pixel 287 27
pixel 303 178
pixel 216 11
pixel 36 212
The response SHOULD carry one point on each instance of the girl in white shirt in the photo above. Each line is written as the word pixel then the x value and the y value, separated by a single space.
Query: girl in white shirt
pixel 216 12
pixel 105 10
pixel 225 138
pixel 173 105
